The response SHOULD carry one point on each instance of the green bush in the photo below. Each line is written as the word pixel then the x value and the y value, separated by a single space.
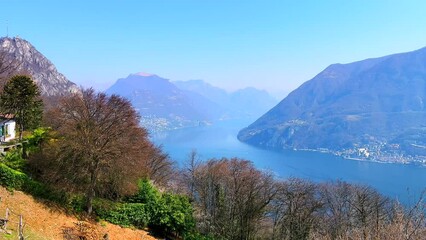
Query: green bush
pixel 147 193
pixel 137 211
pixel 173 214
pixel 77 203
pixel 14 160
pixel 37 136
pixel 16 180
pixel 12 179
pixel 163 213
pixel 123 214
pixel 32 142
pixel 43 191
pixel 197 236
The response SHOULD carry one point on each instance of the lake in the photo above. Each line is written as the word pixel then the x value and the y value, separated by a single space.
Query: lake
pixel 404 182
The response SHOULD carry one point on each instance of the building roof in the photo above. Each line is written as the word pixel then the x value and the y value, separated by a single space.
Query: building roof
pixel 4 121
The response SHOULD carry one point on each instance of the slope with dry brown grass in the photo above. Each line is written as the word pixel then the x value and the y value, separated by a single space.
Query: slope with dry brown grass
pixel 47 221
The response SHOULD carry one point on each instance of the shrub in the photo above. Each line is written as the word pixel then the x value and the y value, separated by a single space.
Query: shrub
pixel 173 214
pixel 163 213
pixel 10 178
pixel 147 193
pixel 123 214
pixel 33 141
pixel 197 236
pixel 76 203
pixel 16 180
pixel 14 160
pixel 40 190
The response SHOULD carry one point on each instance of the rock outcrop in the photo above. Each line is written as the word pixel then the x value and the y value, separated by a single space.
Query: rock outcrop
pixel 27 60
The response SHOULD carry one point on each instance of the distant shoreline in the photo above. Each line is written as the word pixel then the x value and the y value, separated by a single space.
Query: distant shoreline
pixel 359 159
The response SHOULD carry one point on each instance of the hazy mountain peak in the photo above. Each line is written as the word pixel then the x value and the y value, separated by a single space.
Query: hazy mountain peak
pixel 165 104
pixel 161 104
pixel 197 85
pixel 143 74
pixel 248 102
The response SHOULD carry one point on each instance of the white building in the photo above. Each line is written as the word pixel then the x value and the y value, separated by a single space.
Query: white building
pixel 7 130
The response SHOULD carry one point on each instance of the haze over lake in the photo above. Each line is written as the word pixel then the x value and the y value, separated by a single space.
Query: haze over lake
pixel 402 181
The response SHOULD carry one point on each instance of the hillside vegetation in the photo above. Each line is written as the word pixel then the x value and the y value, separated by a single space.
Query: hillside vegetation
pixel 45 221
pixel 93 160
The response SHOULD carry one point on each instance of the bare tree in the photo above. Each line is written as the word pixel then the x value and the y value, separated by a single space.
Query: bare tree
pixel 353 210
pixel 233 200
pixel 230 196
pixel 336 213
pixel 413 220
pixel 100 147
pixel 294 209
pixel 158 166
pixel 190 174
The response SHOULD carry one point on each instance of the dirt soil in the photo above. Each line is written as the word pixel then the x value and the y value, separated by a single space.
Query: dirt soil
pixel 51 222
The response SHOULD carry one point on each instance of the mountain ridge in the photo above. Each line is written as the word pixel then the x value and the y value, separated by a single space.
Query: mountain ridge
pixel 160 103
pixel 30 61
pixel 248 102
pixel 364 104
pixel 165 105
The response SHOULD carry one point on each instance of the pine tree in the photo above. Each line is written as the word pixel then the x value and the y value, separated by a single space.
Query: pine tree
pixel 21 99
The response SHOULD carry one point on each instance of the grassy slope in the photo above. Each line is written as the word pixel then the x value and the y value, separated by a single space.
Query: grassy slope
pixel 49 222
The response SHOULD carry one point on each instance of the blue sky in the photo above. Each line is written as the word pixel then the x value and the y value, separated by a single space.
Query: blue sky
pixel 273 45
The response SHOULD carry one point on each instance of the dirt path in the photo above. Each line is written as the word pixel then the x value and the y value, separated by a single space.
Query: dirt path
pixel 45 222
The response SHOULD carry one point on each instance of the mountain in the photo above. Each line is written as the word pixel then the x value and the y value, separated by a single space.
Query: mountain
pixel 373 108
pixel 30 61
pixel 244 103
pixel 161 104
pixel 214 94
pixel 251 102
pixel 168 105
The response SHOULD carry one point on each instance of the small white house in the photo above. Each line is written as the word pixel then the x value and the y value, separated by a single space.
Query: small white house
pixel 7 130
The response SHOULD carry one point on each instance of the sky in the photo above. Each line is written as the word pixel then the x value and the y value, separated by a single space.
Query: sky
pixel 271 45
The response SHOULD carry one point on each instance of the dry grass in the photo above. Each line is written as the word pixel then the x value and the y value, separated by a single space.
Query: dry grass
pixel 49 222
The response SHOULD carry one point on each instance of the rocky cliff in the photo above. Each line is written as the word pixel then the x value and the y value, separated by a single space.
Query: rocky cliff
pixel 28 60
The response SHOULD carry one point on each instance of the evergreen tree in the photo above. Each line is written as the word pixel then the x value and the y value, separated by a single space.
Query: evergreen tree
pixel 21 99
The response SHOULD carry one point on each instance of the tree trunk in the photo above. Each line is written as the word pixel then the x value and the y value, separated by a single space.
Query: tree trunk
pixel 21 130
pixel 89 200
pixel 91 192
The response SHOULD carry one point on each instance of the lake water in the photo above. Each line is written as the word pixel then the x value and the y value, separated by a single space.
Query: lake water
pixel 404 182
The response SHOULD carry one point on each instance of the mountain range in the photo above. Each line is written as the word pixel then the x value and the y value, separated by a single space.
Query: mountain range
pixel 373 108
pixel 243 103
pixel 163 104
pixel 160 103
